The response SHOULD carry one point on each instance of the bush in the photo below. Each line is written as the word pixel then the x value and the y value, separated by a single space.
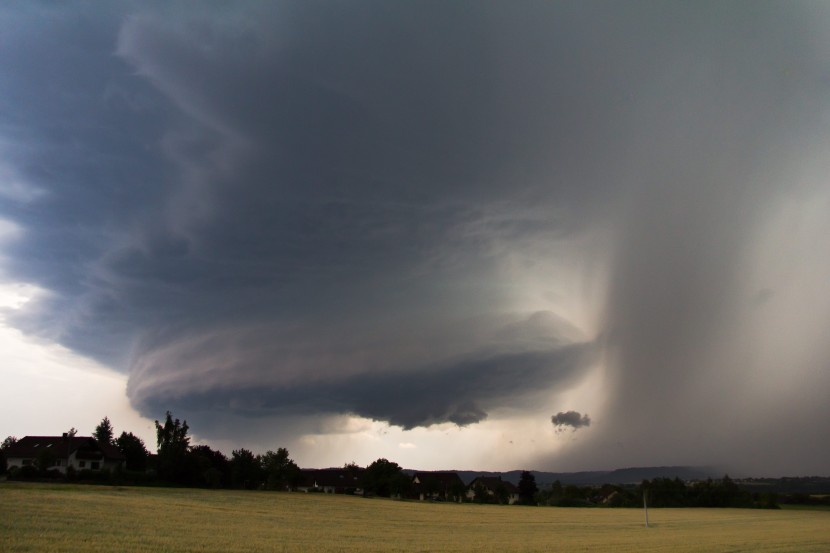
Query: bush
pixel 27 472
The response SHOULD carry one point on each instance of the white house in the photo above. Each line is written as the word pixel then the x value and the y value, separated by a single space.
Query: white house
pixel 60 452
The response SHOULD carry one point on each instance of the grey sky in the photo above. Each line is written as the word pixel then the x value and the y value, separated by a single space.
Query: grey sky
pixel 429 213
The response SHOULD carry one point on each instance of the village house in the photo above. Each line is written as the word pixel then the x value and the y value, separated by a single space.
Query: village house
pixel 437 486
pixel 344 481
pixel 494 488
pixel 60 452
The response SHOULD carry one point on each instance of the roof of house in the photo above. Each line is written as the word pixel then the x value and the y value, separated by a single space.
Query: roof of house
pixel 493 482
pixel 84 447
pixel 443 478
pixel 333 478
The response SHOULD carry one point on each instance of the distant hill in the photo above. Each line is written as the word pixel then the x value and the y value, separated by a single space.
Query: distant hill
pixel 620 476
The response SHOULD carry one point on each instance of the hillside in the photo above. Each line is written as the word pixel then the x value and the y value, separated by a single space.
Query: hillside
pixel 633 475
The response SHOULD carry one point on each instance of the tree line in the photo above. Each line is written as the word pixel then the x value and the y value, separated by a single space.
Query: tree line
pixel 660 492
pixel 178 463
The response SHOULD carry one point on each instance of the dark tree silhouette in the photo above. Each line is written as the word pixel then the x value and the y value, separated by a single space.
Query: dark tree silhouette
pixel 246 471
pixel 527 488
pixel 104 433
pixel 134 451
pixel 280 471
pixel 7 443
pixel 173 444
pixel 208 467
pixel 385 478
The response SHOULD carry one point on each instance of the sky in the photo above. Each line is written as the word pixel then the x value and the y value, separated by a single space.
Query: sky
pixel 549 235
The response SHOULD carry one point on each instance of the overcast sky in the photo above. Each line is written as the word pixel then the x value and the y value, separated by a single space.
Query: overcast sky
pixel 480 235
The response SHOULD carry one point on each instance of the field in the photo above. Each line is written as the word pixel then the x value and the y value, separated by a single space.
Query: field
pixel 60 518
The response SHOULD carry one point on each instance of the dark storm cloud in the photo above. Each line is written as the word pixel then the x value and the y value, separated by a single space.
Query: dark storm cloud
pixel 572 419
pixel 293 206
pixel 460 393
pixel 376 208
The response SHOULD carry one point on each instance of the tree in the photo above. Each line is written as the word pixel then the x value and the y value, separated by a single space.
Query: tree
pixel 527 488
pixel 173 444
pixel 246 471
pixel 104 433
pixel 208 467
pixel 457 491
pixel 501 494
pixel 384 478
pixel 481 494
pixel 7 443
pixel 352 469
pixel 134 451
pixel 280 471
pixel 556 490
pixel 46 460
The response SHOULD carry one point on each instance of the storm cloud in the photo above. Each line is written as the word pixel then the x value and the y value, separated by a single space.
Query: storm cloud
pixel 572 419
pixel 425 214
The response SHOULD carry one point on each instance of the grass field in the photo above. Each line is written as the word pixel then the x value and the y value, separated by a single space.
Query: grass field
pixel 58 518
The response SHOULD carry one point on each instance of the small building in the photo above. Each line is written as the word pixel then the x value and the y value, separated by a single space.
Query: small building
pixel 60 452
pixel 342 481
pixel 493 489
pixel 437 486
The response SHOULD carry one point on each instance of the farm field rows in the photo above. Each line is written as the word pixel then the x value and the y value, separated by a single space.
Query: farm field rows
pixel 64 518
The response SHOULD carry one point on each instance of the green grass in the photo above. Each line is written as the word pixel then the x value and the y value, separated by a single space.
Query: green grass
pixel 60 518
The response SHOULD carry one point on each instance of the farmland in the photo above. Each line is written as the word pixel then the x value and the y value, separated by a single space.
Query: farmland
pixel 64 518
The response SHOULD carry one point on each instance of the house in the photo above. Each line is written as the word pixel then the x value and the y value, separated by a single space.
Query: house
pixel 437 486
pixel 492 489
pixel 60 452
pixel 345 481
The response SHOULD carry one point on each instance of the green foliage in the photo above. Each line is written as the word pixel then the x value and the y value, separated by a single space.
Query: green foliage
pixel 501 494
pixel 134 451
pixel 480 494
pixel 173 444
pixel 46 460
pixel 208 468
pixel 7 443
pixel 665 492
pixel 457 491
pixel 385 478
pixel 104 433
pixel 352 469
pixel 280 471
pixel 246 471
pixel 527 488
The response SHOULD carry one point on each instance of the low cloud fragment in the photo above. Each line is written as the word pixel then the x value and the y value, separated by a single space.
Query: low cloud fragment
pixel 570 419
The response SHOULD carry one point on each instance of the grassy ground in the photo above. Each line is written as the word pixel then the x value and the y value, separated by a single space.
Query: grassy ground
pixel 62 518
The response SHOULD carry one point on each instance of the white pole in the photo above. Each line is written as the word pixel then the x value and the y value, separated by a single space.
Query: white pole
pixel 645 506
